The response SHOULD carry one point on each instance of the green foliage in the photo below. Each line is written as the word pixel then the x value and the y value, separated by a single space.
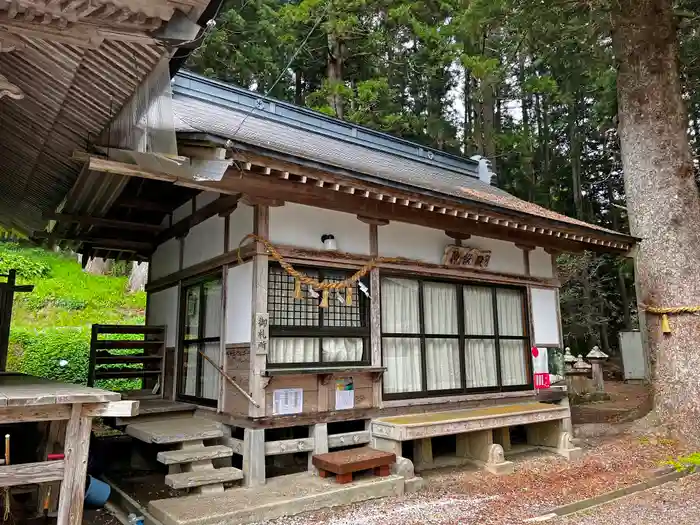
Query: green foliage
pixel 12 257
pixel 51 326
pixel 688 463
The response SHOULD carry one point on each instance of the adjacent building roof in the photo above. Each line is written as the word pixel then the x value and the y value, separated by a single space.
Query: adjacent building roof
pixel 76 64
pixel 205 106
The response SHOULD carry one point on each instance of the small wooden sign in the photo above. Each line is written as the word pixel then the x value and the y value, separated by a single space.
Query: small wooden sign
pixel 261 333
pixel 464 256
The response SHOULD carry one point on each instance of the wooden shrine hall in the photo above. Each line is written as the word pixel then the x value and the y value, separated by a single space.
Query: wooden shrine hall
pixel 319 287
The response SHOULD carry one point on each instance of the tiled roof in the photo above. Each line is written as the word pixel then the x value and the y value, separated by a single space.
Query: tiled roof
pixel 208 107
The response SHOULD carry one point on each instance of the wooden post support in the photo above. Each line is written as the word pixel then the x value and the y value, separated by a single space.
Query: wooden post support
pixel 76 447
pixel 253 457
pixel 319 432
pixel 375 315
pixel 55 436
pixel 258 353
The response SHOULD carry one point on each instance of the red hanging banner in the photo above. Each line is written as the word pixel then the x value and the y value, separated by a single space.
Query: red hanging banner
pixel 542 381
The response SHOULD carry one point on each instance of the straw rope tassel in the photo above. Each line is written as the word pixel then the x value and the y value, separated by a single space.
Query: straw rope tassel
pixel 348 296
pixel 672 310
pixel 297 289
pixel 324 298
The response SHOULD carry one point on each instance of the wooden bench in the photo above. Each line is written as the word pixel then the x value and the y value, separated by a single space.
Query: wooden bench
pixel 345 462
pixel 482 435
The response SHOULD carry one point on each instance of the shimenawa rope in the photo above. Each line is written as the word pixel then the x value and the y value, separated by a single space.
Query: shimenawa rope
pixel 325 286
pixel 664 312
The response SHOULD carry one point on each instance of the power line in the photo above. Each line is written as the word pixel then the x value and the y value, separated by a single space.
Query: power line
pixel 286 67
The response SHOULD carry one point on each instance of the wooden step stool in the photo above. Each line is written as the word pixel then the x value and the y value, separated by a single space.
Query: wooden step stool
pixel 345 462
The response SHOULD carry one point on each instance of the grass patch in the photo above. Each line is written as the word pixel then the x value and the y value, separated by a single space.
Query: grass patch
pixel 51 326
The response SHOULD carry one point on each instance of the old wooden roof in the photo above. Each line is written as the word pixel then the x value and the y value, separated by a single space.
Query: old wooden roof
pixel 287 153
pixel 66 69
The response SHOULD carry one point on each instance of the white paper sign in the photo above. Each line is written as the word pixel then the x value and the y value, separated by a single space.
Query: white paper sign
pixel 344 394
pixel 287 401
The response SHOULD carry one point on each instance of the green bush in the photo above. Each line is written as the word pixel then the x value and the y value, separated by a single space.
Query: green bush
pixel 12 257
pixel 61 354
pixel 686 463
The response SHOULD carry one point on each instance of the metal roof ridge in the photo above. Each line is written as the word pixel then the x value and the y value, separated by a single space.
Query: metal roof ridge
pixel 192 85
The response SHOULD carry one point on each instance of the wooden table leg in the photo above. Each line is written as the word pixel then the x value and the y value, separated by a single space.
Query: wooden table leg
pixel 324 474
pixel 76 448
pixel 382 471
pixel 343 478
pixel 53 445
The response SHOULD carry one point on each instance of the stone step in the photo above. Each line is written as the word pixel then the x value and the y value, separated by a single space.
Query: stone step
pixel 188 480
pixel 188 455
pixel 168 430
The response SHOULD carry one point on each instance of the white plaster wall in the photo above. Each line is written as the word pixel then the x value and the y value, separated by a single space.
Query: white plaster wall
pixel 544 304
pixel 166 259
pixel 240 224
pixel 239 303
pixel 541 263
pixel 303 226
pixel 206 197
pixel 162 311
pixel 505 257
pixel 399 239
pixel 205 241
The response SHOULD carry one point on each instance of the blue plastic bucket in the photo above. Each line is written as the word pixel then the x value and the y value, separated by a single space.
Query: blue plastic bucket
pixel 97 493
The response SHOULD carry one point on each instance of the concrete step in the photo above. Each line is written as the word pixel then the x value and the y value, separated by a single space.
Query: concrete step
pixel 188 480
pixel 188 455
pixel 167 430
pixel 279 497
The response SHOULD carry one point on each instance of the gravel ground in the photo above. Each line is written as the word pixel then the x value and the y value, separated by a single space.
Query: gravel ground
pixel 539 484
pixel 677 503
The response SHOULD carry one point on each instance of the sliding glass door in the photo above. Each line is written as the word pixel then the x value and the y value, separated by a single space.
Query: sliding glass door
pixel 200 331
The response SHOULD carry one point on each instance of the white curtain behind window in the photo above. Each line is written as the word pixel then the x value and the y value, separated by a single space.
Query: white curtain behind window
pixel 440 318
pixel 293 350
pixel 480 354
pixel 342 349
pixel 511 323
pixel 401 355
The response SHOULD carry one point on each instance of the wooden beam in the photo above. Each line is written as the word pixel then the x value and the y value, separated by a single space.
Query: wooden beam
pixel 372 221
pixel 84 220
pixel 24 473
pixel 122 244
pixel 224 204
pixel 309 194
pixel 142 204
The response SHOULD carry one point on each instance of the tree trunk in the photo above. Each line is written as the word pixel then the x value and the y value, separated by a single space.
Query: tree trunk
pixel 575 145
pixel 662 199
pixel 335 73
pixel 298 88
pixel 138 276
pixel 99 266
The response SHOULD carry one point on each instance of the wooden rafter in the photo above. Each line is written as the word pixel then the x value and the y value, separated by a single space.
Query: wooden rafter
pixel 83 220
pixel 335 193
pixel 115 243
pixel 224 204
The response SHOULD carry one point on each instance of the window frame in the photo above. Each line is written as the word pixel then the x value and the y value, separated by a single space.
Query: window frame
pixel 320 332
pixel 462 337
pixel 200 341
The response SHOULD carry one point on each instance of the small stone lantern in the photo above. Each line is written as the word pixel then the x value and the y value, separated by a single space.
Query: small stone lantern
pixel 596 357
pixel 569 359
pixel 577 378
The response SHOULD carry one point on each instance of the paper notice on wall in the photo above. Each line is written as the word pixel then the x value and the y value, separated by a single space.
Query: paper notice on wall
pixel 344 394
pixel 287 401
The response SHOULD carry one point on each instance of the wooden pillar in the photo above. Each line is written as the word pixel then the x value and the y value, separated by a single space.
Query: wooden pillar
pixel 319 432
pixel 55 437
pixel 253 457
pixel 259 333
pixel 526 248
pixel 375 307
pixel 76 448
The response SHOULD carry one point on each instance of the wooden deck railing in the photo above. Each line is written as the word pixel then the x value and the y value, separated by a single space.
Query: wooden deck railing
pixel 139 356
